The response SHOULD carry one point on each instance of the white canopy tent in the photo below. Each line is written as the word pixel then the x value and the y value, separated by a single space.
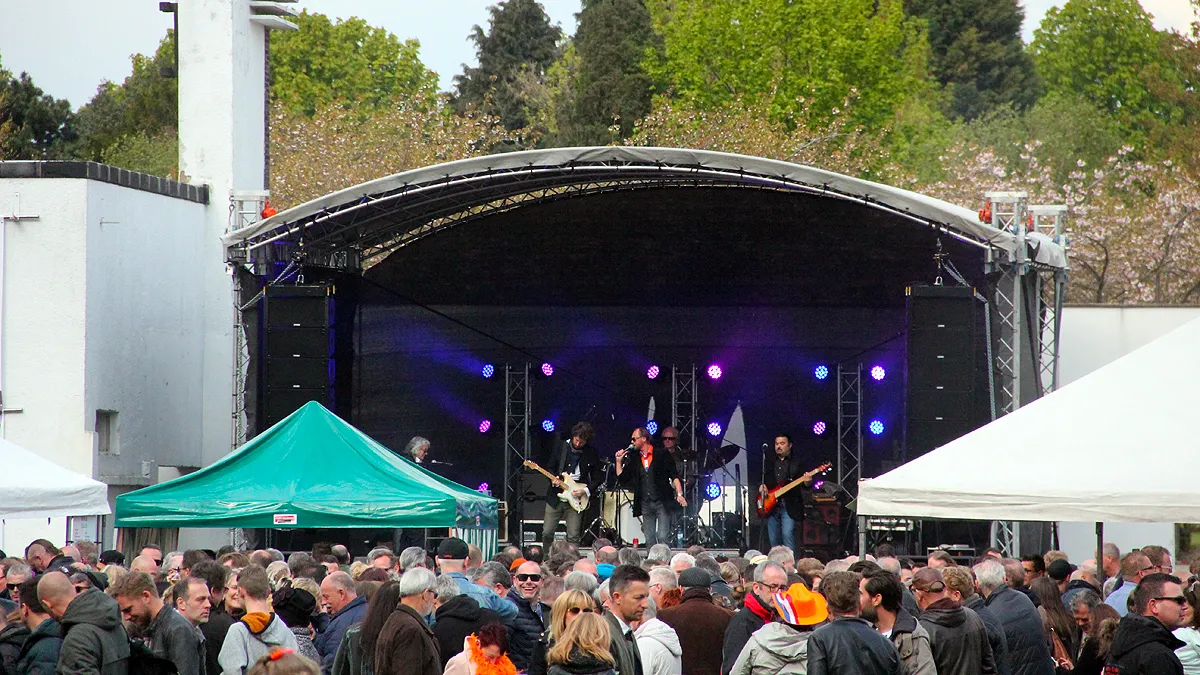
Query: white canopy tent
pixel 39 488
pixel 1118 445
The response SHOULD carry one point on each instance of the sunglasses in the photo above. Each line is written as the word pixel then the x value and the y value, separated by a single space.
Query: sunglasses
pixel 1177 599
pixel 529 577
pixel 575 610
pixel 670 438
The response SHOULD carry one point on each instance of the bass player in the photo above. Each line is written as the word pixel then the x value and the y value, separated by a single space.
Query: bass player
pixel 782 468
pixel 580 461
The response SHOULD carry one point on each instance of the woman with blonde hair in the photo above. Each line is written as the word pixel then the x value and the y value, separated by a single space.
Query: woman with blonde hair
pixel 568 606
pixel 582 648
pixel 277 573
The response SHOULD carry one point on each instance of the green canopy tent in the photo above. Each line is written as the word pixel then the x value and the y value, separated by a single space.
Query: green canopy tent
pixel 312 470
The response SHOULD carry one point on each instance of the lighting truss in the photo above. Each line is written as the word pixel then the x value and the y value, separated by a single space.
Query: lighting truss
pixel 850 441
pixel 517 410
pixel 1052 293
pixel 683 402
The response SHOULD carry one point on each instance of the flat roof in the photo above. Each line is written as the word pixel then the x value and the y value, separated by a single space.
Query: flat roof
pixel 106 174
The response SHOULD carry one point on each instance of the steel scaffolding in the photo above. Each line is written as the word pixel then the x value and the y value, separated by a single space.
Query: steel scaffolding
pixel 1051 294
pixel 517 409
pixel 683 403
pixel 850 441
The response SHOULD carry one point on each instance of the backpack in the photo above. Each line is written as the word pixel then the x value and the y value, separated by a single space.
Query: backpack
pixel 142 661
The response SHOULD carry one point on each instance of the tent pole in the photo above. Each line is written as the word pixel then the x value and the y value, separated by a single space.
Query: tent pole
pixel 862 537
pixel 1100 552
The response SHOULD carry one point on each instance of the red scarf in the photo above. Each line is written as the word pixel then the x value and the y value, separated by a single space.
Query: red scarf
pixel 753 604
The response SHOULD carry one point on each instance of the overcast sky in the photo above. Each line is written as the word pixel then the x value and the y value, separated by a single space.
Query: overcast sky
pixel 70 46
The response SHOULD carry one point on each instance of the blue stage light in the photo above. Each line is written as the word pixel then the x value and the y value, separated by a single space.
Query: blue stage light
pixel 819 428
pixel 714 429
pixel 712 490
pixel 878 373
pixel 652 427
pixel 548 425
pixel 489 370
pixel 876 427
pixel 821 372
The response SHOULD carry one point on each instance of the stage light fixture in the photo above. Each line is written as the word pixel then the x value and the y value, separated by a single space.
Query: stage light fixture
pixel 821 372
pixel 878 373
pixel 488 371
pixel 876 427
pixel 485 426
pixel 548 425
pixel 652 427
pixel 484 488
pixel 712 490
pixel 652 372
pixel 819 428
pixel 714 429
pixel 547 369
pixel 714 372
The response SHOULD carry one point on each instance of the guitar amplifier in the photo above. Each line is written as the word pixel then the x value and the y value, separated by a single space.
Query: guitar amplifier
pixel 822 524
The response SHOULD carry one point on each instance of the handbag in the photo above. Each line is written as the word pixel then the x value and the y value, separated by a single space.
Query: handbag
pixel 1061 656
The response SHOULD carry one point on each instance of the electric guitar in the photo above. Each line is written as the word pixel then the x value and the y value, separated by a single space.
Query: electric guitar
pixel 767 503
pixel 569 485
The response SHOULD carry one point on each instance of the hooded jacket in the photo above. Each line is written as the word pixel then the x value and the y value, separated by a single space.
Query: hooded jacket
pixel 582 664
pixel 1143 646
pixel 701 627
pixel 659 645
pixel 94 640
pixel 1028 653
pixel 243 646
pixel 457 619
pixel 744 624
pixel 774 648
pixel 995 632
pixel 39 654
pixel 912 641
pixel 959 639
pixel 12 638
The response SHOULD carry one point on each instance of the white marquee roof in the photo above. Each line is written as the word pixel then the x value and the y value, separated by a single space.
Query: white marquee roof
pixel 35 487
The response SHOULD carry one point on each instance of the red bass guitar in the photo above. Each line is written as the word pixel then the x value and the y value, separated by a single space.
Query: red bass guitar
pixel 767 503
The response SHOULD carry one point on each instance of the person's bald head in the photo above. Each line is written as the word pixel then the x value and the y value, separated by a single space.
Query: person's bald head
pixel 144 563
pixel 55 592
pixel 72 552
pixel 337 591
pixel 585 565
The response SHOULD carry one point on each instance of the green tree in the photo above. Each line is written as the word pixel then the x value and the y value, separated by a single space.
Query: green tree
pixel 612 86
pixel 518 47
pixel 1103 50
pixel 977 53
pixel 33 124
pixel 346 61
pixel 807 55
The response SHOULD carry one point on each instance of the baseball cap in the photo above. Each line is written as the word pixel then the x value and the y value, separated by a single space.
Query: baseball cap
pixel 1059 570
pixel 800 606
pixel 694 577
pixel 453 548
pixel 929 580
pixel 112 557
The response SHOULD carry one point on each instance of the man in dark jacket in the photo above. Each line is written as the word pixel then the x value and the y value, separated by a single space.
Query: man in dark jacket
pixel 39 654
pixel 457 616
pixel 1143 643
pixel 346 608
pixel 657 492
pixel 782 468
pixel 533 616
pixel 881 605
pixel 579 460
pixel 960 586
pixel 1024 633
pixel 94 640
pixel 630 591
pixel 957 635
pixel 165 631
pixel 219 621
pixel 406 645
pixel 700 624
pixel 848 645
pixel 769 578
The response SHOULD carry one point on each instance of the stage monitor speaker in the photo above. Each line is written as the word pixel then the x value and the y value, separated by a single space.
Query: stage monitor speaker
pixel 941 374
pixel 298 366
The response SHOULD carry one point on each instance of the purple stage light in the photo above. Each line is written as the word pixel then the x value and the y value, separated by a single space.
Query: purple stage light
pixel 488 371
pixel 714 429
pixel 652 427
pixel 818 485
pixel 819 428
pixel 876 427
pixel 485 426
pixel 652 372
pixel 821 372
pixel 714 371
pixel 548 425
pixel 878 373
pixel 547 369
pixel 483 487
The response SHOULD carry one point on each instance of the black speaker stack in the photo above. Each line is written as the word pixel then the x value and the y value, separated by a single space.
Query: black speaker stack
pixel 298 367
pixel 942 380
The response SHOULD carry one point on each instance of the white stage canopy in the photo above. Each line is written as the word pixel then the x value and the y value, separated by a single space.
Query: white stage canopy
pixel 38 488
pixel 1118 445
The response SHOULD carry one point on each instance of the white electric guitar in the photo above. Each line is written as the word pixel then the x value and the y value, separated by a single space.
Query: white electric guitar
pixel 569 485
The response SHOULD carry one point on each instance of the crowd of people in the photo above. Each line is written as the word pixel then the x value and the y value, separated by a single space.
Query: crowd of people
pixel 614 611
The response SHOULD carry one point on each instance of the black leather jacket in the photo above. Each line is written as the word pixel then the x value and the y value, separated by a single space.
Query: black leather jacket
pixel 851 646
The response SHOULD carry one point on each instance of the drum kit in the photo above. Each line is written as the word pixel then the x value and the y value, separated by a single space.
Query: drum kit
pixel 617 523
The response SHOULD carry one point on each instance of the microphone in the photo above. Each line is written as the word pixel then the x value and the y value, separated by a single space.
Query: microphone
pixel 766 445
pixel 438 461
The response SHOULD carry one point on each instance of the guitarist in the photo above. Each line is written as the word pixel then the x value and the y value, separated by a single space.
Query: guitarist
pixel 782 468
pixel 579 460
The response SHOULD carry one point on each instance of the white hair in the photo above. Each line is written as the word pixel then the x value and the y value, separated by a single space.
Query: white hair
pixel 836 566
pixel 413 556
pixel 377 553
pixel 890 564
pixel 664 576
pixel 414 444
pixel 416 581
pixel 447 588
pixel 580 581
pixel 659 553
pixel 990 575
pixel 781 555
pixel 651 610
pixel 760 572
pixel 601 595
pixel 685 558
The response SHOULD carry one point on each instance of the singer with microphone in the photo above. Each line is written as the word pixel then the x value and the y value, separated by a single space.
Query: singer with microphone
pixel 417 449
pixel 657 492
pixel 580 462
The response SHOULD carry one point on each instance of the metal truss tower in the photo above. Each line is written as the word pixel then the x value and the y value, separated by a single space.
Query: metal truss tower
pixel 850 440
pixel 517 409
pixel 683 402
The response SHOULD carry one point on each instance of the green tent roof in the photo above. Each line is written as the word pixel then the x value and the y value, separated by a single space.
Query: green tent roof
pixel 310 470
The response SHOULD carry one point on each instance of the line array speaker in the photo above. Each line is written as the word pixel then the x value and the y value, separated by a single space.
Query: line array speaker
pixel 298 367
pixel 940 374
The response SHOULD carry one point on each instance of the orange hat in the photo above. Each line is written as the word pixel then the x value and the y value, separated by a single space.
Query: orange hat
pixel 800 606
pixel 516 563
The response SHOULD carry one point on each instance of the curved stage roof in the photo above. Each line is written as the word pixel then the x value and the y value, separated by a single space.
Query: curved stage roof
pixel 357 227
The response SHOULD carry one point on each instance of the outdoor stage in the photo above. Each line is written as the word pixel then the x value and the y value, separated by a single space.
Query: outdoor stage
pixel 609 261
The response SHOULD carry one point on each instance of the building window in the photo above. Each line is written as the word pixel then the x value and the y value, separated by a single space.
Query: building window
pixel 106 432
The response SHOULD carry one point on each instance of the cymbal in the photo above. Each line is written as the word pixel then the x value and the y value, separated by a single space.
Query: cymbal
pixel 721 457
